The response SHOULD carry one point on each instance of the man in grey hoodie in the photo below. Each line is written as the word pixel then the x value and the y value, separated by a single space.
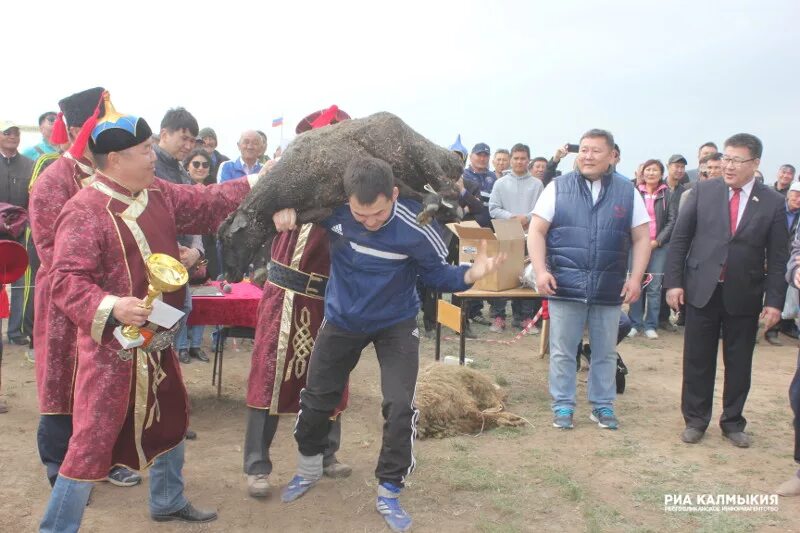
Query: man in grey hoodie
pixel 514 196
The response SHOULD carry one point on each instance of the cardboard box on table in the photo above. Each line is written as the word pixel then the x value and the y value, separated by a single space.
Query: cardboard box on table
pixel 508 237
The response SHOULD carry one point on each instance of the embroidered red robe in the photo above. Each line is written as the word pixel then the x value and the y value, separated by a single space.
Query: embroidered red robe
pixel 54 335
pixel 125 411
pixel 287 325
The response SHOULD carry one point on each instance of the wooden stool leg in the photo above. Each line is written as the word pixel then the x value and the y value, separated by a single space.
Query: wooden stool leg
pixel 438 352
pixel 462 346
pixel 544 341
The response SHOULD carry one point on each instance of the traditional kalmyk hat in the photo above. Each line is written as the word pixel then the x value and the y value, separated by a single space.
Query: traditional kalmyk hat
pixel 115 131
pixel 79 110
pixel 323 117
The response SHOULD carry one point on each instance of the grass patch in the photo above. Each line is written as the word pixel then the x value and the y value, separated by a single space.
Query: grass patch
pixel 481 364
pixel 627 448
pixel 568 487
pixel 506 505
pixel 601 518
pixel 719 458
pixel 487 526
pixel 460 446
pixel 463 474
pixel 506 433
pixel 502 381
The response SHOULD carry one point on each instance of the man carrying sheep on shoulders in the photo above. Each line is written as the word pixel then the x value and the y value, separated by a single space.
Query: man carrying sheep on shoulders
pixel 377 251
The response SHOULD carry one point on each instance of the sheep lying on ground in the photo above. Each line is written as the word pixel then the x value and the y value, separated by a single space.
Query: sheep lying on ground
pixel 456 400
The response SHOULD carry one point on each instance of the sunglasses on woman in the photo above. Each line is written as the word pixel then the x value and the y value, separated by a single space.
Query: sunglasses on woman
pixel 199 164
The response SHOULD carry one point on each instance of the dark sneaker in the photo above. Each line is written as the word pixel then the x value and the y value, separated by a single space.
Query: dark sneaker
pixel 562 418
pixel 199 354
pixel 122 477
pixel 604 416
pixel 191 435
pixel 692 435
pixel 187 514
pixel 337 470
pixel 296 488
pixel 20 341
pixel 480 319
pixel 388 505
pixel 740 439
pixel 184 357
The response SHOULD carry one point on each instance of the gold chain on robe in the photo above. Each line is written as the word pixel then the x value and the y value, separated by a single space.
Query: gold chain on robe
pixel 286 318
pixel 303 343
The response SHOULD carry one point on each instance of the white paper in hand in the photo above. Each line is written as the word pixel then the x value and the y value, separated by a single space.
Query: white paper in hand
pixel 164 315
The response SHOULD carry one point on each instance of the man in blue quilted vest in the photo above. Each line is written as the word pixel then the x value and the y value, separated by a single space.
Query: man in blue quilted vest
pixel 584 227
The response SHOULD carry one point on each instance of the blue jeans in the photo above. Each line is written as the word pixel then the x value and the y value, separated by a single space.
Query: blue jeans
pixel 567 320
pixel 520 309
pixel 68 498
pixel 189 337
pixel 651 295
pixel 65 509
pixel 182 335
pixel 166 482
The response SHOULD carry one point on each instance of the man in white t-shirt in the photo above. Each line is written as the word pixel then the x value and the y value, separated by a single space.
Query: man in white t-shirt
pixel 583 228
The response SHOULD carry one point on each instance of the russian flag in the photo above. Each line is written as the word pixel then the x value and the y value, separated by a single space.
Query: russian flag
pixel 277 122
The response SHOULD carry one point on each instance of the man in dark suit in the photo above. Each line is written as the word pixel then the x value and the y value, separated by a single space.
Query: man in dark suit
pixel 727 232
pixel 791 487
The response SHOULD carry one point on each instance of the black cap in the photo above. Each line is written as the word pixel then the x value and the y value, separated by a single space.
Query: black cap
pixel 677 158
pixel 80 106
pixel 481 148
pixel 126 132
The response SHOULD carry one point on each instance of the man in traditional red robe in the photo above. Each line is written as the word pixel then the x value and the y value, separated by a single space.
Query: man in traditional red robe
pixel 289 315
pixel 53 183
pixel 130 406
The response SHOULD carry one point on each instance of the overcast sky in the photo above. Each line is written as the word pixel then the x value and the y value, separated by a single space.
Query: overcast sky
pixel 664 77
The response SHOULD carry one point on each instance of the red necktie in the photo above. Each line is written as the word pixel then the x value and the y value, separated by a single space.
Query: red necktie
pixel 734 209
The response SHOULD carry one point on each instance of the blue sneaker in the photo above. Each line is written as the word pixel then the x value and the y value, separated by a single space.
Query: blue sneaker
pixel 604 416
pixel 296 488
pixel 122 477
pixel 562 418
pixel 388 505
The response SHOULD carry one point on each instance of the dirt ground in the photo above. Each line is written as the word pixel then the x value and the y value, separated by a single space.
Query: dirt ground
pixel 530 479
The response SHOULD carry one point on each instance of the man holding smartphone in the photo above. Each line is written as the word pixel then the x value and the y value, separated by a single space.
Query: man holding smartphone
pixel 552 166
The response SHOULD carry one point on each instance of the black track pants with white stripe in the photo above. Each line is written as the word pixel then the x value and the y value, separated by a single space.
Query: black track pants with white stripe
pixel 336 353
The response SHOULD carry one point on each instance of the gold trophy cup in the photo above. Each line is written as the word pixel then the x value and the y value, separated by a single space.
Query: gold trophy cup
pixel 164 274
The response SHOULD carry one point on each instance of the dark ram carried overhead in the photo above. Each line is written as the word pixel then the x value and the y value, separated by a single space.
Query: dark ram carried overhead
pixel 308 177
